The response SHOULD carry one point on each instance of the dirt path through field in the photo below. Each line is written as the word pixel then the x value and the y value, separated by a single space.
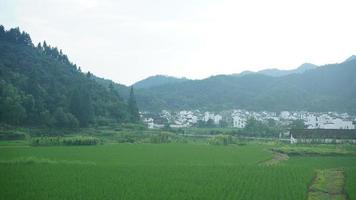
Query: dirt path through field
pixel 277 158
pixel 328 184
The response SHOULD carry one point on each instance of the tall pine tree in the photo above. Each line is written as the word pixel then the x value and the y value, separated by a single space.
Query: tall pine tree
pixel 135 116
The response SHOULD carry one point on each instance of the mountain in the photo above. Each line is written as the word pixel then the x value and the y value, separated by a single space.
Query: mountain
pixel 39 86
pixel 325 88
pixel 121 89
pixel 351 58
pixel 277 72
pixel 157 80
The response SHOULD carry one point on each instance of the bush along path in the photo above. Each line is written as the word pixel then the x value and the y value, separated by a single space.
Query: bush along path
pixel 328 184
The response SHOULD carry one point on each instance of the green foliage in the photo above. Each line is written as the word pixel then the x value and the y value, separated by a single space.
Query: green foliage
pixel 62 119
pixel 297 124
pixel 261 129
pixel 35 160
pixel 12 110
pixel 320 134
pixel 133 110
pixel 317 150
pixel 328 184
pixel 162 137
pixel 69 141
pixel 221 140
pixel 39 86
pixel 206 124
pixel 12 135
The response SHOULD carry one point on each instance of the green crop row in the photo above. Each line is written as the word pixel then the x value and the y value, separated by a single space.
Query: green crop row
pixel 52 141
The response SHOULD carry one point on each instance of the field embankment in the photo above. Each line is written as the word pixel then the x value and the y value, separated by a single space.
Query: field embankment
pixel 328 184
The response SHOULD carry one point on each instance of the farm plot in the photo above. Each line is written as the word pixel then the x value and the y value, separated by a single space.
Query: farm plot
pixel 169 171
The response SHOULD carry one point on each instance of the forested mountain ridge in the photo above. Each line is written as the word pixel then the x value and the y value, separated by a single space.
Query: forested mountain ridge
pixel 325 88
pixel 277 72
pixel 351 58
pixel 39 86
pixel 157 80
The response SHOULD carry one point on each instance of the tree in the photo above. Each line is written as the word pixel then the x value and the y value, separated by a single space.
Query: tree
pixel 133 110
pixel 81 106
pixel 255 127
pixel 13 34
pixel 63 119
pixel 2 31
pixel 223 124
pixel 297 124
pixel 25 39
pixel 39 47
pixel 11 108
pixel 210 123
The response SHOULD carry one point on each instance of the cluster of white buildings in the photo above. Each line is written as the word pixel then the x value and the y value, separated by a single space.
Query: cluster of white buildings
pixel 238 118
pixel 328 121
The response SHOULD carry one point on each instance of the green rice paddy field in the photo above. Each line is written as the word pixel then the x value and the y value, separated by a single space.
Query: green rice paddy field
pixel 160 171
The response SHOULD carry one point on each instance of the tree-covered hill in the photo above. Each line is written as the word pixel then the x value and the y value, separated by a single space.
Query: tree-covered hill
pixel 157 80
pixel 39 86
pixel 277 72
pixel 325 88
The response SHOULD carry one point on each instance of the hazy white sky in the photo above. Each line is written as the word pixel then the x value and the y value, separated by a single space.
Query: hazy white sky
pixel 129 40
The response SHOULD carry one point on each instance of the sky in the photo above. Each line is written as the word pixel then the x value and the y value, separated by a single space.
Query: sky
pixel 127 41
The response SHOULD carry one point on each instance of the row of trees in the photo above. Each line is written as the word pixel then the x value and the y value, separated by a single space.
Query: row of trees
pixel 39 86
pixel 270 128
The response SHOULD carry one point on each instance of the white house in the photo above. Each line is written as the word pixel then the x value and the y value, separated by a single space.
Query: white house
pixel 337 124
pixel 217 119
pixel 239 122
pixel 284 115
pixel 149 122
pixel 311 121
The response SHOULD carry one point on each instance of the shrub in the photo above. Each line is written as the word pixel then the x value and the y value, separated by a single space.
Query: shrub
pixel 81 140
pixel 54 141
pixel 162 137
pixel 221 140
pixel 12 136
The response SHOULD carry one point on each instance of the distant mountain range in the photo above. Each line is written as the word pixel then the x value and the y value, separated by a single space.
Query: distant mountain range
pixel 164 79
pixel 309 87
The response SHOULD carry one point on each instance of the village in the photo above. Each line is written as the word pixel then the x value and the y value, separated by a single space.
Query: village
pixel 238 118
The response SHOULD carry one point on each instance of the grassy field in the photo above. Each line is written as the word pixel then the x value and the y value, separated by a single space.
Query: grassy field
pixel 159 171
